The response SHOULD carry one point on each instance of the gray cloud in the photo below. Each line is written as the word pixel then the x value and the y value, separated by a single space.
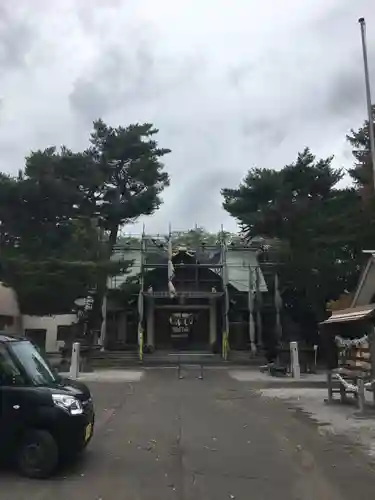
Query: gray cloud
pixel 123 77
pixel 251 85
pixel 16 36
pixel 347 91
pixel 89 100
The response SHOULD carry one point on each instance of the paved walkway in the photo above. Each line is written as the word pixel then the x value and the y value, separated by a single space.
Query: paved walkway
pixel 242 375
pixel 255 376
pixel 109 376
pixel 164 438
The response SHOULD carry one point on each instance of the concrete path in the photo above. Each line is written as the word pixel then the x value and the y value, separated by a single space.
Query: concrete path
pixel 162 438
pixel 255 376
pixel 109 376
pixel 242 375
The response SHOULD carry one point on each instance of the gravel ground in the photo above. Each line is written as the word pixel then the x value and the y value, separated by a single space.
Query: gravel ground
pixel 337 418
pixel 212 439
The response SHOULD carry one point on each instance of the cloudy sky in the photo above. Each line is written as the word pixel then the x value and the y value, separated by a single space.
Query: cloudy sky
pixel 230 84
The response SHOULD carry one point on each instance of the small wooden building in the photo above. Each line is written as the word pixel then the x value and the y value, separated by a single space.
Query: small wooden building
pixel 365 291
pixel 348 338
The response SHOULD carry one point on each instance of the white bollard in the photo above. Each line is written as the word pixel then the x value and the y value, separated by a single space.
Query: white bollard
pixel 74 363
pixel 294 359
pixel 315 356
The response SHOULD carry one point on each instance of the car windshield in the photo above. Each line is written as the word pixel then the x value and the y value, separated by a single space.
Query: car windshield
pixel 35 366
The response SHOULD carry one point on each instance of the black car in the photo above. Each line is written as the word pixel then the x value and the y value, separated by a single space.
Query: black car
pixel 44 418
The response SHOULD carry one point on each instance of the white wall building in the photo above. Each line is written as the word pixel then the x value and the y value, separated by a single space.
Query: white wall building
pixel 48 331
pixel 10 316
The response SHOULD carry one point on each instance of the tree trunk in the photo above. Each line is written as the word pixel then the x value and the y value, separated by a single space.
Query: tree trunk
pixel 112 239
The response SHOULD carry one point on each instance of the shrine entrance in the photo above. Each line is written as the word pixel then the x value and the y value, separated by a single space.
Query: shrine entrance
pixel 182 328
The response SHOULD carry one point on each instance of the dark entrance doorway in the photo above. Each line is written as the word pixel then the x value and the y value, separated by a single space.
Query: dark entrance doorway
pixel 185 329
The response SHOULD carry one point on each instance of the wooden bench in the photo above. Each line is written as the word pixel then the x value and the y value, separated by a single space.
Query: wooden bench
pixel 354 373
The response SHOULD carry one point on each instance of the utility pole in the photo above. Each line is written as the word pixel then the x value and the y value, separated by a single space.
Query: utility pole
pixel 362 23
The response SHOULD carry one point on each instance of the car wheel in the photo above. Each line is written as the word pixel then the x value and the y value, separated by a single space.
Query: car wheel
pixel 38 455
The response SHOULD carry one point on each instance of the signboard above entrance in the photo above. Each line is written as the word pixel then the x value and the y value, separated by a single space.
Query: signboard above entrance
pixel 181 322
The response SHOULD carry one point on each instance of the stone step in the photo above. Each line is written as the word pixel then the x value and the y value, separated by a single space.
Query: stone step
pixel 115 359
pixel 115 363
pixel 122 359
pixel 115 355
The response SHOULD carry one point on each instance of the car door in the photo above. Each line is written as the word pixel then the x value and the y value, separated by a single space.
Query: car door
pixel 11 401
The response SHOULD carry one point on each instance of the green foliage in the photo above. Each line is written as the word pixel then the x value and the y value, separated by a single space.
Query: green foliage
pixel 275 204
pixel 51 286
pixel 191 239
pixel 196 238
pixel 128 160
pixel 362 173
pixel 59 218
pixel 127 293
pixel 323 229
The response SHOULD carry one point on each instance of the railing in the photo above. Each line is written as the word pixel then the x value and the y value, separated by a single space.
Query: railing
pixel 188 294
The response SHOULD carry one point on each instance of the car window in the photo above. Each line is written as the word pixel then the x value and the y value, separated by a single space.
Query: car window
pixel 34 365
pixel 9 372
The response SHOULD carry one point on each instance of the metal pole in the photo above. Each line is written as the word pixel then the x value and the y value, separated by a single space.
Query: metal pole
pixel 103 327
pixel 278 307
pixel 253 346
pixel 224 271
pixel 141 305
pixel 171 272
pixel 362 23
pixel 258 295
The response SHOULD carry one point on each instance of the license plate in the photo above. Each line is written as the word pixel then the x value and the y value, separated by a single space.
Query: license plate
pixel 88 432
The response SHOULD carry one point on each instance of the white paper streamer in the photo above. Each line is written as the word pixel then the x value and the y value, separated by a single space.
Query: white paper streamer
pixel 341 342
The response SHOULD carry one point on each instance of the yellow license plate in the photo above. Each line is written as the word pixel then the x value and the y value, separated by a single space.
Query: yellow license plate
pixel 88 432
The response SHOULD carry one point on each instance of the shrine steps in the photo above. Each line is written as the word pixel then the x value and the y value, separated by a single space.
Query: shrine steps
pixel 123 359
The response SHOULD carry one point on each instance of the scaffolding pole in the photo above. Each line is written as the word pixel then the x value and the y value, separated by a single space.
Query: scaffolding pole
pixel 225 336
pixel 259 308
pixel 253 347
pixel 278 307
pixel 171 272
pixel 141 301
pixel 103 325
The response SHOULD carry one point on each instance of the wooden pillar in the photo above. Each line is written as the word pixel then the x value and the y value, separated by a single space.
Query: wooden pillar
pixel 361 395
pixel 213 325
pixel 150 322
pixel 329 386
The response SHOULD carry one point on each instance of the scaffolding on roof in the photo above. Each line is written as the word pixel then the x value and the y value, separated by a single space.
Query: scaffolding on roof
pixel 235 261
pixel 153 251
